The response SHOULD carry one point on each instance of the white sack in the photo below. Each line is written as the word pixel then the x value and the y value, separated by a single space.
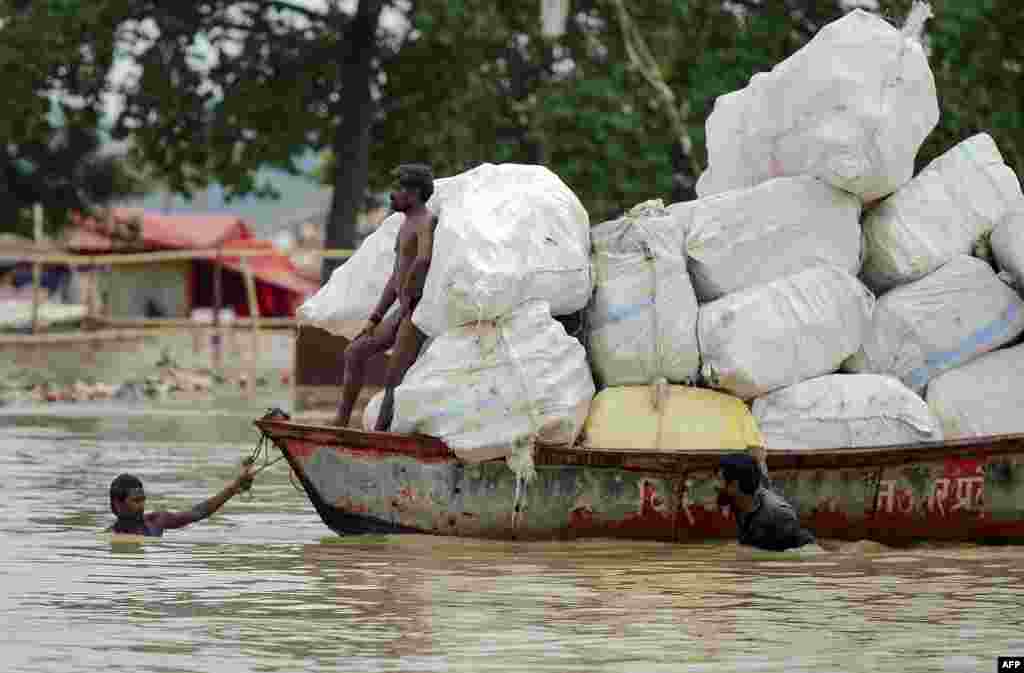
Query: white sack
pixel 355 287
pixel 941 213
pixel 775 335
pixel 1007 245
pixel 984 397
pixel 749 237
pixel 851 107
pixel 642 320
pixel 489 389
pixel 516 233
pixel 372 410
pixel 844 411
pixel 940 322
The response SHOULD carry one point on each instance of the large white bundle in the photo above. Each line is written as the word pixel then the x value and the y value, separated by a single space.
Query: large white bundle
pixel 642 320
pixel 851 107
pixel 844 411
pixel 749 237
pixel 941 213
pixel 940 322
pixel 768 337
pixel 490 389
pixel 984 397
pixel 1008 247
pixel 354 288
pixel 516 233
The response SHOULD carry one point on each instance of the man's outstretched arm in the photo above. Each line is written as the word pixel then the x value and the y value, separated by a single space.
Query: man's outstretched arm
pixel 208 507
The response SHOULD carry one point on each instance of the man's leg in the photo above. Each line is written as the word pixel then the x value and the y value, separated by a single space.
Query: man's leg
pixel 407 348
pixel 355 358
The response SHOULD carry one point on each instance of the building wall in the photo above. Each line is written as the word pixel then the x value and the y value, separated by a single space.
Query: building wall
pixel 130 288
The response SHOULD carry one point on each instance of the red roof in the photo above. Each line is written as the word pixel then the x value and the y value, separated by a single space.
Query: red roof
pixel 276 269
pixel 162 231
pixel 198 232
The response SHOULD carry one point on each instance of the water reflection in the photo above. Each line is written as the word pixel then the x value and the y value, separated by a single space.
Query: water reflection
pixel 264 586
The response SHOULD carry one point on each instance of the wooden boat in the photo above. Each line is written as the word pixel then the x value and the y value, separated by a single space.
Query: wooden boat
pixel 367 482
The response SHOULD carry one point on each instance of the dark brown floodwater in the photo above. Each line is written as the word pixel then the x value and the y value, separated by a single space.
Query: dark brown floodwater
pixel 264 586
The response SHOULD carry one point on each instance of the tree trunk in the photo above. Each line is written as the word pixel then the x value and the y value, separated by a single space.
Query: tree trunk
pixel 352 137
pixel 684 183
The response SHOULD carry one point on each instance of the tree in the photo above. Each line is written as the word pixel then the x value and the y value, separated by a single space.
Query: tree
pixel 54 81
pixel 226 86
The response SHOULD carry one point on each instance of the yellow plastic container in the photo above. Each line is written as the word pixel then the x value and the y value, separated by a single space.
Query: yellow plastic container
pixel 669 418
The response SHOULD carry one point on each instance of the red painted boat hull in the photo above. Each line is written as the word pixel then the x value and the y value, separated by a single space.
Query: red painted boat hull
pixel 359 482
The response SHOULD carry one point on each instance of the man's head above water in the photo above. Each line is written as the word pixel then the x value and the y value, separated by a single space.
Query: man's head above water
pixel 127 497
pixel 742 469
pixel 414 185
pixel 741 476
pixel 128 503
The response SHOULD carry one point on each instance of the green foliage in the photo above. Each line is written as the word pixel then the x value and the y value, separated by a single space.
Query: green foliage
pixel 54 67
pixel 227 87
pixel 978 60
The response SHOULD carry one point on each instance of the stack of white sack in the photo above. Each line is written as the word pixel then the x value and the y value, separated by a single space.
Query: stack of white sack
pixel 642 320
pixel 984 397
pixel 852 107
pixel 492 389
pixel 748 237
pixel 844 411
pixel 943 212
pixel 516 233
pixel 355 287
pixel 1007 244
pixel 775 335
pixel 940 322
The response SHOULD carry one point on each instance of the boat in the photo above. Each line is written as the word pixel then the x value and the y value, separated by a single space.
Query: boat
pixel 359 482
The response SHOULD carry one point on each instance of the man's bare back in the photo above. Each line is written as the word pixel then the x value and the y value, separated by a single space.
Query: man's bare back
pixel 413 250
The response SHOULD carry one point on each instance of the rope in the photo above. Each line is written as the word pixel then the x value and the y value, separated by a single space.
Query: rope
pixel 262 452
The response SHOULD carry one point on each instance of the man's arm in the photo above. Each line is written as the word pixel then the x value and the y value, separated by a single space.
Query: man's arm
pixel 416 278
pixel 387 298
pixel 206 508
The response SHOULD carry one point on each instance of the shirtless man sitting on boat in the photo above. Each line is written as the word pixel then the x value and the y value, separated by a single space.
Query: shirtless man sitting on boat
pixel 413 248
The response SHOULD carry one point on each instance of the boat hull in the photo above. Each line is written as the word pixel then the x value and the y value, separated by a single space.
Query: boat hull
pixel 385 483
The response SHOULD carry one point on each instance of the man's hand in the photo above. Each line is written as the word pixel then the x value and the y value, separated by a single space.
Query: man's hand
pixel 408 300
pixel 243 482
pixel 367 329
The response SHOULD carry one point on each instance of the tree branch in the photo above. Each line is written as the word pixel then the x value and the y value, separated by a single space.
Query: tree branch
pixel 284 6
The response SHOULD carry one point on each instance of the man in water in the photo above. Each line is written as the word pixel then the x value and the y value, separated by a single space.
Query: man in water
pixel 128 502
pixel 413 249
pixel 763 518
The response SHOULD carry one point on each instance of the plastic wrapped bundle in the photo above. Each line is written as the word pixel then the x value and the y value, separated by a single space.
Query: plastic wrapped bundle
pixel 515 233
pixel 669 418
pixel 1007 244
pixel 940 322
pixel 851 107
pixel 844 411
pixel 772 336
pixel 943 212
pixel 492 389
pixel 984 397
pixel 642 320
pixel 749 237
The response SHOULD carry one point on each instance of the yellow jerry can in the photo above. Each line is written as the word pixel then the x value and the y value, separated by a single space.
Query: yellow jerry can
pixel 662 417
